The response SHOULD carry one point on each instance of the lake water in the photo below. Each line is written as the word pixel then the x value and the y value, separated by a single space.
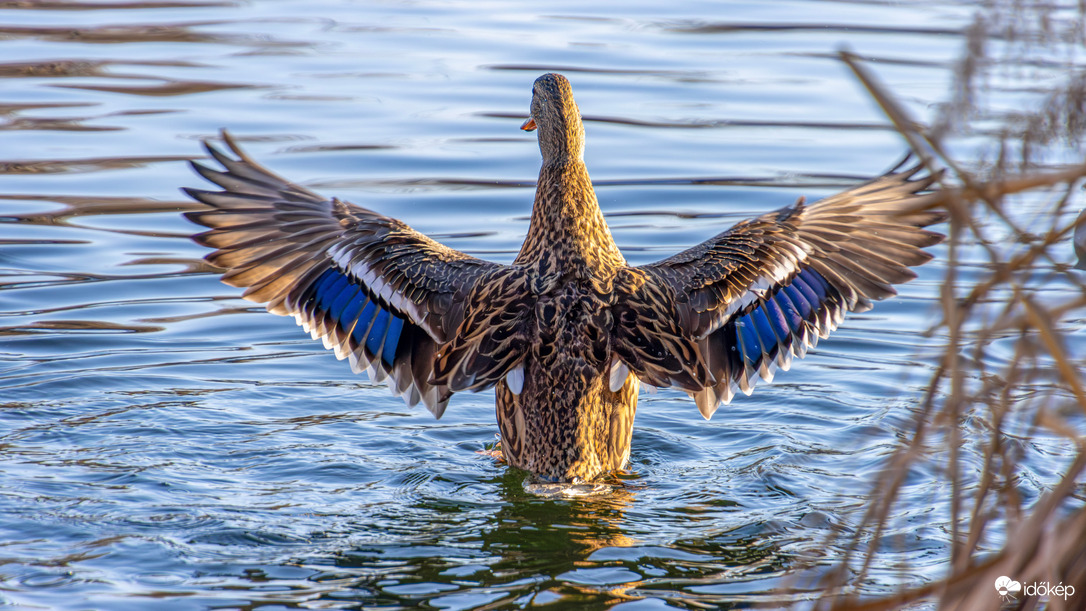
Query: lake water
pixel 165 444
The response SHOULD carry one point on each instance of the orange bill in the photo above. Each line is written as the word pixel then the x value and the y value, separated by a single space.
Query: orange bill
pixel 529 125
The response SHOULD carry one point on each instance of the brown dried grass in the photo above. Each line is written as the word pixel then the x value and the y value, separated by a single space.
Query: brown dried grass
pixel 976 402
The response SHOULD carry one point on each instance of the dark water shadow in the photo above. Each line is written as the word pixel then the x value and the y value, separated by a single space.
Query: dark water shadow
pixel 184 32
pixel 75 5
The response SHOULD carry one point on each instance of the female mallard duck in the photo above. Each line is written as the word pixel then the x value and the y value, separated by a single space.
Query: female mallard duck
pixel 565 333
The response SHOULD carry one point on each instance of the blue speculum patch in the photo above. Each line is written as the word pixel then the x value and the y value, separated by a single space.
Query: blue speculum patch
pixel 779 319
pixel 345 301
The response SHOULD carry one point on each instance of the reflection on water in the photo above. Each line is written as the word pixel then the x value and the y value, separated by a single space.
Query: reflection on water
pixel 164 442
pixel 542 551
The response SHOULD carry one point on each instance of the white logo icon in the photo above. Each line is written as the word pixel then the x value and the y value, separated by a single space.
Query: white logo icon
pixel 1007 587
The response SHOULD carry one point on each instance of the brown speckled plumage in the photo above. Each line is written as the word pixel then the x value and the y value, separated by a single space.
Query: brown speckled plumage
pixel 566 332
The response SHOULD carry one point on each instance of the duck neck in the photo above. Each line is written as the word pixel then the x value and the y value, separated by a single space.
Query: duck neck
pixel 567 224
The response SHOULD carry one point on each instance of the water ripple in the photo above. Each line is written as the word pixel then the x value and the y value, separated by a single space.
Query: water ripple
pixel 166 444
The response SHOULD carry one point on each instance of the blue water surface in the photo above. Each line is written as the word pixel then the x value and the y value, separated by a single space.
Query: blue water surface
pixel 165 444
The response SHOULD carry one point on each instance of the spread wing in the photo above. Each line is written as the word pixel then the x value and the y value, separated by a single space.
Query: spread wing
pixel 374 290
pixel 747 301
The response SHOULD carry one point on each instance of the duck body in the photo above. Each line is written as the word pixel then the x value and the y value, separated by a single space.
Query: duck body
pixel 568 331
pixel 565 423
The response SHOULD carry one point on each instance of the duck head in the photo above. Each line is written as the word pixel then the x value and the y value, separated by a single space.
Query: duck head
pixel 556 117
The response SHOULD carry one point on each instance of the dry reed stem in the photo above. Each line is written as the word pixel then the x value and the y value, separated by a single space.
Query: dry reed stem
pixel 1044 541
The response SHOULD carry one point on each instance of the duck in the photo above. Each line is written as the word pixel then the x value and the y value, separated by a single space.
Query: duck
pixel 568 333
